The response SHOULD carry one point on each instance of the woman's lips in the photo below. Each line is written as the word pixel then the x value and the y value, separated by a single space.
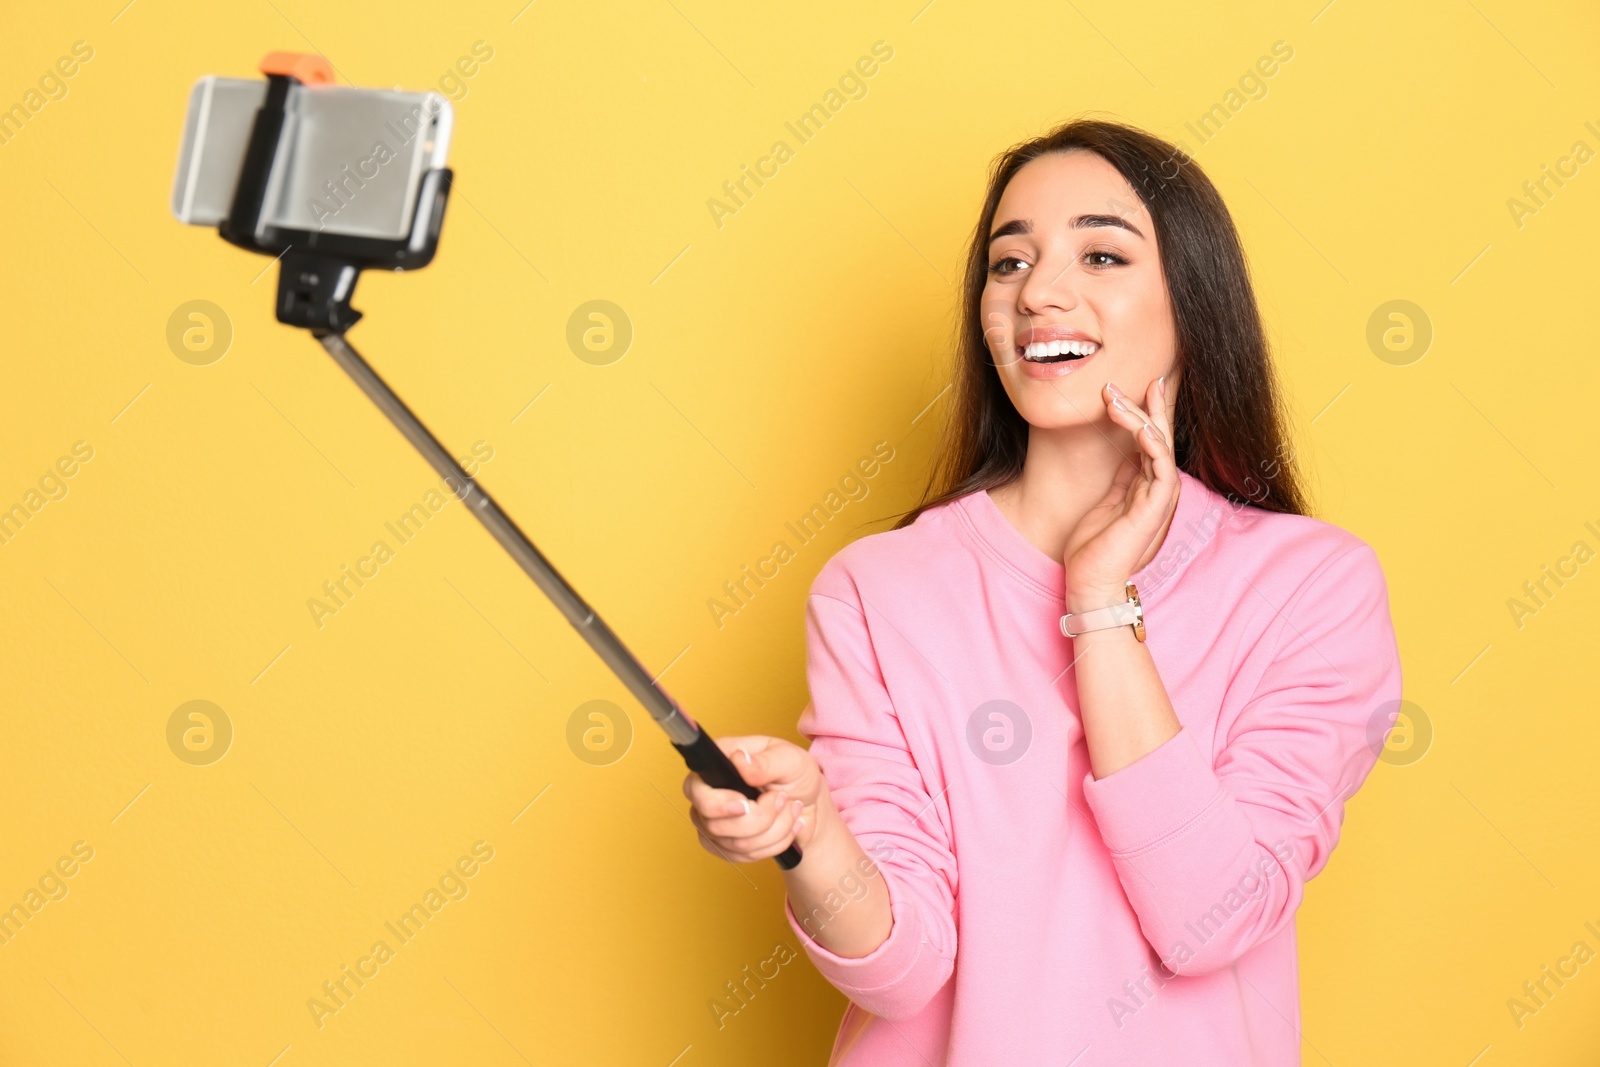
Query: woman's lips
pixel 1058 369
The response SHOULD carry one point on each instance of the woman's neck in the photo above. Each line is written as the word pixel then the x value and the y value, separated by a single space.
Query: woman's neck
pixel 1067 472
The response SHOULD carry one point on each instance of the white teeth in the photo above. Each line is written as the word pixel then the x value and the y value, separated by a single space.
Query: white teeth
pixel 1045 349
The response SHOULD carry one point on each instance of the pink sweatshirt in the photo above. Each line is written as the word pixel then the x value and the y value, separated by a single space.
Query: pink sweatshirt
pixel 1042 916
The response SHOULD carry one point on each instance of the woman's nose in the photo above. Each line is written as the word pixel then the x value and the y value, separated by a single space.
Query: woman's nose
pixel 1051 284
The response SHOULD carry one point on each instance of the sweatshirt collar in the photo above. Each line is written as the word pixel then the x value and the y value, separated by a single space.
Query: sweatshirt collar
pixel 1195 522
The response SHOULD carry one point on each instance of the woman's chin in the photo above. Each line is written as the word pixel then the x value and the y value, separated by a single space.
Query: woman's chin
pixel 1060 415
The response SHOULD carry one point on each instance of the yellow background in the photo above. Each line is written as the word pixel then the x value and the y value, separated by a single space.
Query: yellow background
pixel 769 354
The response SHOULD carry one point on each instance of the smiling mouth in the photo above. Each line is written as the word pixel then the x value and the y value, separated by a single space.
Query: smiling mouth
pixel 1057 351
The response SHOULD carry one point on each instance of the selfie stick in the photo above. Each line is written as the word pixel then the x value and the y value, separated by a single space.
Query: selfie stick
pixel 315 282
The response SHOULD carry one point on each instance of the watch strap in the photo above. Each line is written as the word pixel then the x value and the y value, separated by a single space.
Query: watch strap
pixel 1127 613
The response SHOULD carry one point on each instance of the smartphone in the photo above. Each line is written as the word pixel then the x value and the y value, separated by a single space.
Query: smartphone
pixel 350 160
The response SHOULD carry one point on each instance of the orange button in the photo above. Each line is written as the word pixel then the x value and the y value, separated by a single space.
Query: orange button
pixel 308 67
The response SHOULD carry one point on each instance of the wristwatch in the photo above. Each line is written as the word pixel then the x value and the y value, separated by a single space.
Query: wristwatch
pixel 1130 613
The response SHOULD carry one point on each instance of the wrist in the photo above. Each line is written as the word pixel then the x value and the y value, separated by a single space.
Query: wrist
pixel 1087 598
pixel 831 836
pixel 831 849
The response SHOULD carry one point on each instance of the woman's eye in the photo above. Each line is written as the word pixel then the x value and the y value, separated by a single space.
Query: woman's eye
pixel 1097 258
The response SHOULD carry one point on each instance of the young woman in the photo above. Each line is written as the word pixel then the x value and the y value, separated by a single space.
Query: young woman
pixel 1083 724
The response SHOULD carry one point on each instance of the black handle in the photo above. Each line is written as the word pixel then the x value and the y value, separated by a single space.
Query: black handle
pixel 706 758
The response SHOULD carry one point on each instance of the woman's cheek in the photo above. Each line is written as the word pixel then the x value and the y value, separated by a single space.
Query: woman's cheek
pixel 995 321
pixel 1137 322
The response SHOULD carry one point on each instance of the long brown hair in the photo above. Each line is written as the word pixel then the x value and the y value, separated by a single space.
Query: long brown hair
pixel 1229 422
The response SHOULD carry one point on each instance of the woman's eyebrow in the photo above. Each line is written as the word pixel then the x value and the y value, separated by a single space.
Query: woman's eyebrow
pixel 1078 222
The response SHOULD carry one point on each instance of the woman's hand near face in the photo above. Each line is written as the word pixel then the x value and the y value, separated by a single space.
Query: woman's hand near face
pixel 794 793
pixel 1110 541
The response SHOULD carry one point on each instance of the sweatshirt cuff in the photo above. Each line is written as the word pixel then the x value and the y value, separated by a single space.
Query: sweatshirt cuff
pixel 1153 797
pixel 883 966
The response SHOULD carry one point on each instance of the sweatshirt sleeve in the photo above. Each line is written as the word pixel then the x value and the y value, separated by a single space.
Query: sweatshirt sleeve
pixel 1214 851
pixel 857 741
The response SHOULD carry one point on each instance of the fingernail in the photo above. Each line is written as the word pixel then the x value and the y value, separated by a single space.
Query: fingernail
pixel 1113 387
pixel 1116 402
pixel 797 806
pixel 746 804
pixel 1161 384
pixel 743 753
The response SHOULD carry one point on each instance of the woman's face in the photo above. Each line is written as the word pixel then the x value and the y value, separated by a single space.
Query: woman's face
pixel 1073 260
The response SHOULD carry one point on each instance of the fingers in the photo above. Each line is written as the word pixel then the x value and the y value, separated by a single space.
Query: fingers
pixel 712 802
pixel 767 830
pixel 776 837
pixel 1154 410
pixel 1126 413
pixel 726 818
pixel 761 760
pixel 1120 403
pixel 1162 460
pixel 1159 404
pixel 1157 464
pixel 740 829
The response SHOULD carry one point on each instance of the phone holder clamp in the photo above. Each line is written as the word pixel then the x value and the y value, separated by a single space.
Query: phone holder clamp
pixel 318 271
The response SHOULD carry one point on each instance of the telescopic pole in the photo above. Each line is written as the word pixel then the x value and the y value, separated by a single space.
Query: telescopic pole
pixel 317 274
pixel 699 751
